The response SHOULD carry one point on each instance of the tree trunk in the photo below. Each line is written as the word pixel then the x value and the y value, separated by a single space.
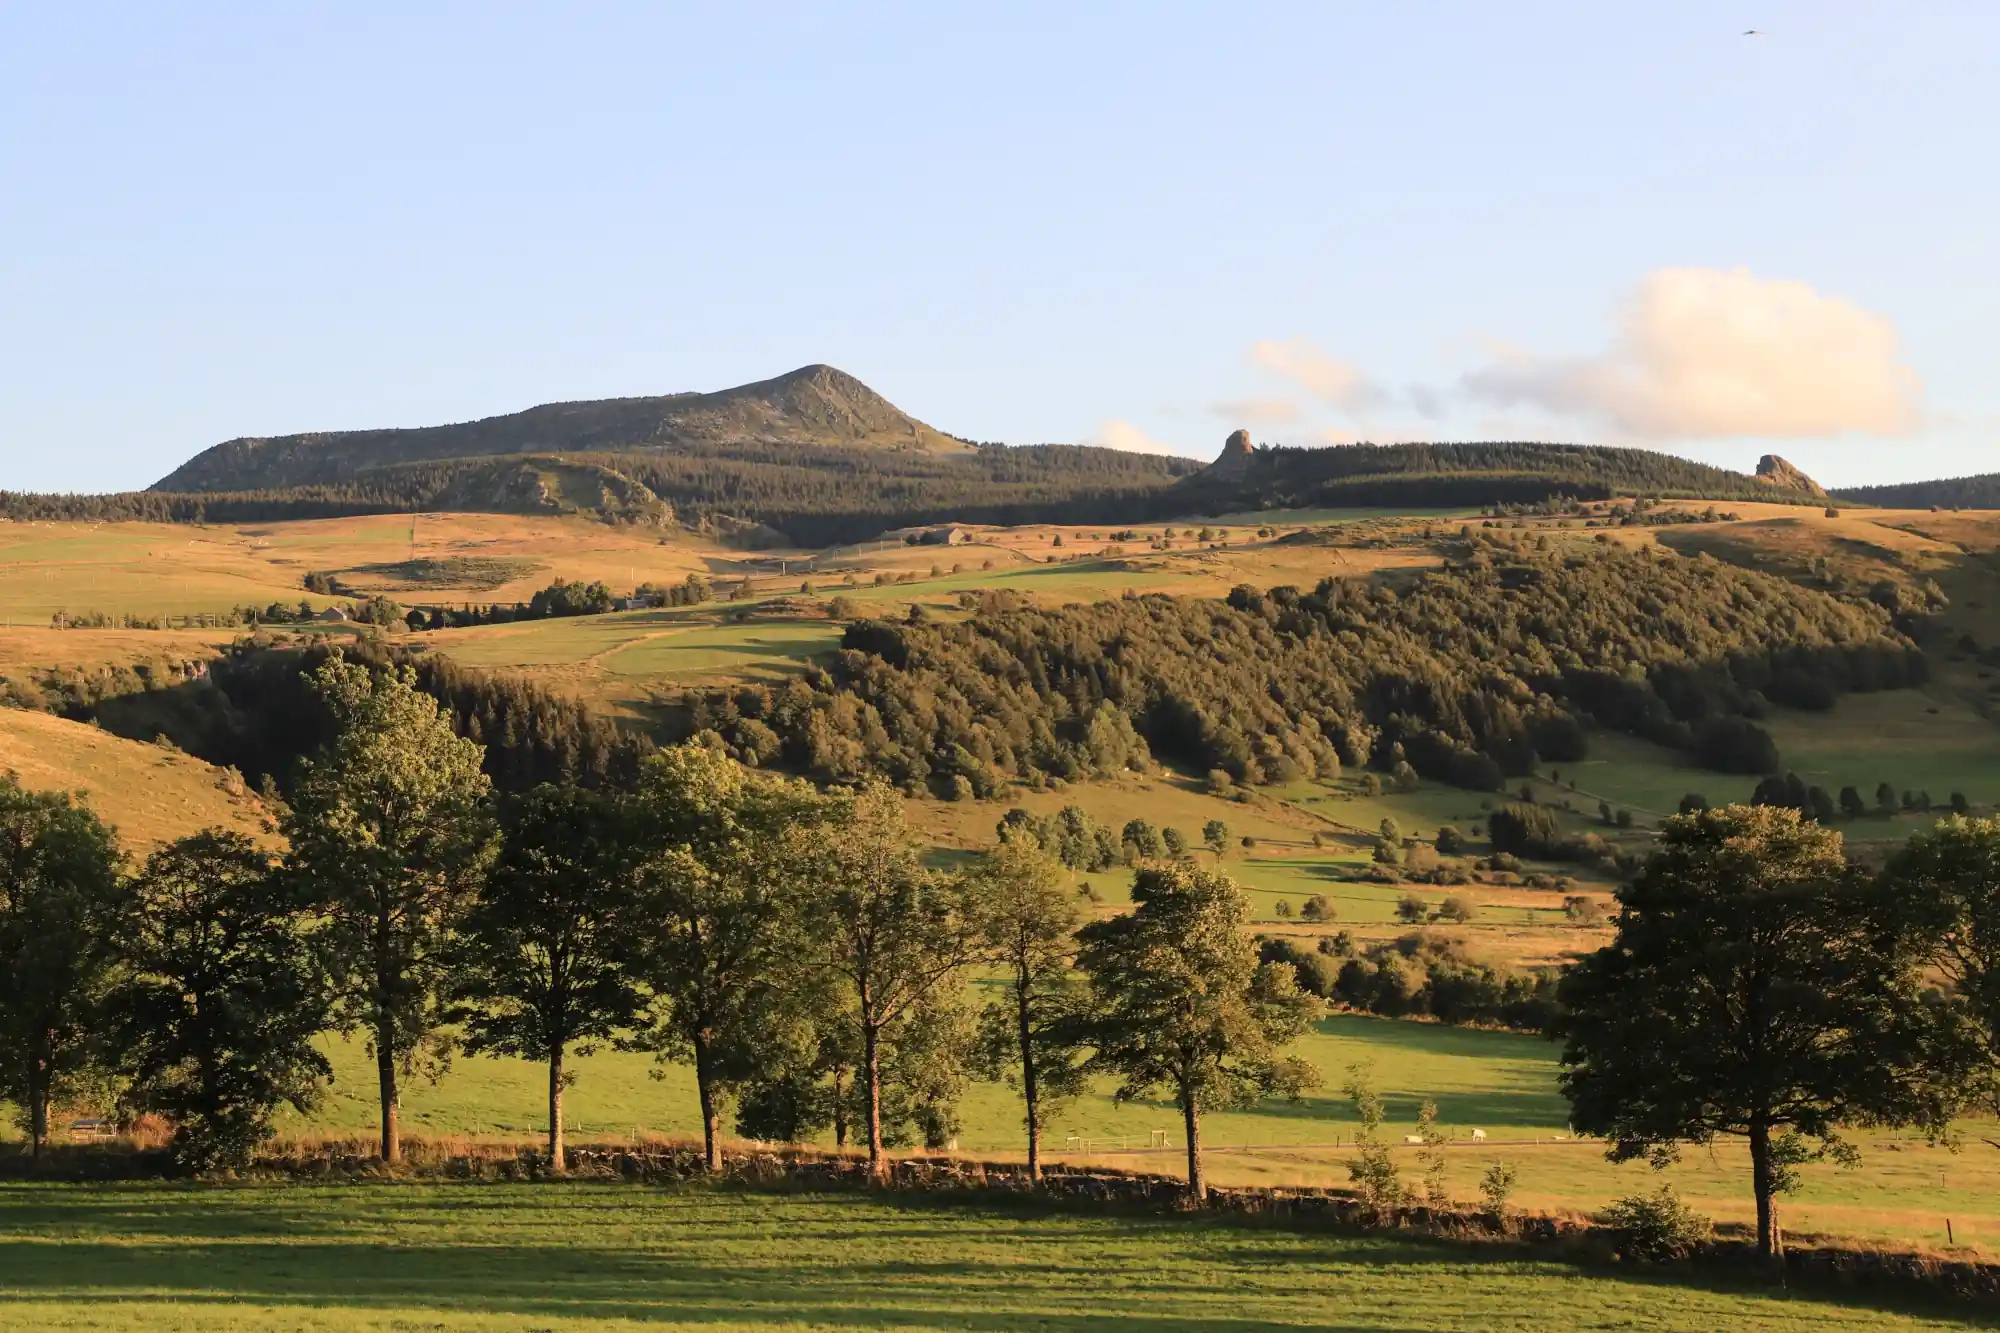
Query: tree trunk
pixel 840 1106
pixel 38 1105
pixel 871 1042
pixel 558 1155
pixel 1191 1113
pixel 1760 1177
pixel 711 1113
pixel 385 1073
pixel 1029 1093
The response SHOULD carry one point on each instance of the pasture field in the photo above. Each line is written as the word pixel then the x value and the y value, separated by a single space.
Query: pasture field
pixel 151 794
pixel 1501 1083
pixel 575 1257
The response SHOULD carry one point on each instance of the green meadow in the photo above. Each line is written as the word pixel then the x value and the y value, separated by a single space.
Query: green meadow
pixel 1497 1082
pixel 580 1257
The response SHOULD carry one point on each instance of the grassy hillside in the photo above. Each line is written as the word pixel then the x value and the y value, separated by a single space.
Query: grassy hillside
pixel 151 794
pixel 598 1257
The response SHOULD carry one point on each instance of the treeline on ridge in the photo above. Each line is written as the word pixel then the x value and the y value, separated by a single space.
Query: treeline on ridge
pixel 1981 492
pixel 1469 675
pixel 1278 477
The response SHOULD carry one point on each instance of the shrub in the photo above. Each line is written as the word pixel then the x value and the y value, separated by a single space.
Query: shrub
pixel 1455 909
pixel 1316 908
pixel 1411 909
pixel 1450 842
pixel 1692 802
pixel 1735 745
pixel 1581 909
pixel 1523 830
pixel 1657 1226
pixel 1284 909
pixel 1497 1187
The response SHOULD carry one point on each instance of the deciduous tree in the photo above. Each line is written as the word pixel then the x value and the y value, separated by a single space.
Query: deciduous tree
pixel 390 833
pixel 544 952
pixel 219 998
pixel 1182 1001
pixel 1747 992
pixel 1943 893
pixel 891 930
pixel 1028 920
pixel 58 881
pixel 715 938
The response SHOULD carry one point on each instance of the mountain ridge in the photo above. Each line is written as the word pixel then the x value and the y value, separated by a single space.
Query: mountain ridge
pixel 814 405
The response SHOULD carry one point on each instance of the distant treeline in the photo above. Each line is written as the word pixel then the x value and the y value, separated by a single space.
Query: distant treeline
pixel 238 507
pixel 1982 492
pixel 1468 676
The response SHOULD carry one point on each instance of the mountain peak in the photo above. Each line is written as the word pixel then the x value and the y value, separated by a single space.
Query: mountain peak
pixel 1234 460
pixel 1777 472
pixel 813 405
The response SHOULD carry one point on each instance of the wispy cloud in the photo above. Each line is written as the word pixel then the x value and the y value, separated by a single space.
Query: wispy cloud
pixel 1116 434
pixel 1334 382
pixel 1713 354
pixel 1258 411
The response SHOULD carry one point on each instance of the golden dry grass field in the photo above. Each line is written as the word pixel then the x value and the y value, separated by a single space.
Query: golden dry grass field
pixel 149 793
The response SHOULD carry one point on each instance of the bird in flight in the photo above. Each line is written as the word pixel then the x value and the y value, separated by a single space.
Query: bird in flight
pixel 1752 32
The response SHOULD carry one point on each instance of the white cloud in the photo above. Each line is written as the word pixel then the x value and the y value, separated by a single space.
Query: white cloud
pixel 1709 354
pixel 1115 434
pixel 1258 411
pixel 1334 382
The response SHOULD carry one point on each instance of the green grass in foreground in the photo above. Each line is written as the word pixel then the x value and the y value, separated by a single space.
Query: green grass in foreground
pixel 521 1257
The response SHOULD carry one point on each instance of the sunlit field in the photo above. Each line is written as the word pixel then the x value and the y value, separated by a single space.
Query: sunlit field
pixel 598 1257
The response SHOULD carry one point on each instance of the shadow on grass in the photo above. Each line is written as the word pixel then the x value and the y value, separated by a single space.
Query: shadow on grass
pixel 699 1255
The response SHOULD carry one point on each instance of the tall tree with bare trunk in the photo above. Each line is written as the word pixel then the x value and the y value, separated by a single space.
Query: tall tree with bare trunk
pixel 390 832
pixel 544 953
pixel 1033 1034
pixel 717 890
pixel 1182 1002
pixel 891 931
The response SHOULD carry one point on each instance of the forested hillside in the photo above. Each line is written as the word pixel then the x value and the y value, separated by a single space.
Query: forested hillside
pixel 1469 675
pixel 1280 477
pixel 252 710
pixel 1981 492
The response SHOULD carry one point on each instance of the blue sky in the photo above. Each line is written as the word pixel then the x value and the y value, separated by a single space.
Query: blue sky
pixel 1136 224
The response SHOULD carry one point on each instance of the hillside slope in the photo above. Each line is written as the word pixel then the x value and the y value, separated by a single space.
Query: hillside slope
pixel 150 793
pixel 814 405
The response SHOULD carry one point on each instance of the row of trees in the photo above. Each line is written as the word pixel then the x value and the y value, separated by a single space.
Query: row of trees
pixel 787 943
pixel 1762 984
